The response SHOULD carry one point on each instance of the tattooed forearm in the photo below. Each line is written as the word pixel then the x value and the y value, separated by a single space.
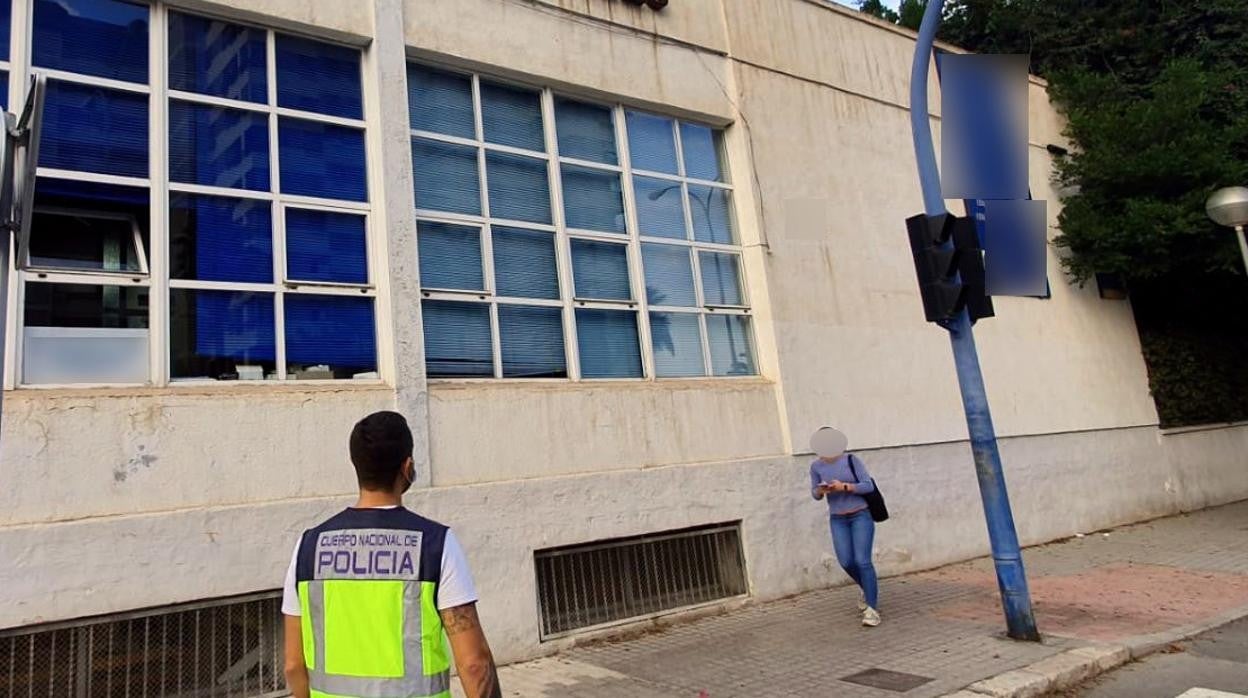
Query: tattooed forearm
pixel 460 619
pixel 487 683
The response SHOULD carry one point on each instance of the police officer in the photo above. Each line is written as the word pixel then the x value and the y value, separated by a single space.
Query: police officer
pixel 373 593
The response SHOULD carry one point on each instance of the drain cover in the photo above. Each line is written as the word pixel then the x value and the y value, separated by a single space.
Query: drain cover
pixel 887 680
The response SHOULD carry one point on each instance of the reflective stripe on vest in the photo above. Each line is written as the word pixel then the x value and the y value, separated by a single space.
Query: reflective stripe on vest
pixel 371 627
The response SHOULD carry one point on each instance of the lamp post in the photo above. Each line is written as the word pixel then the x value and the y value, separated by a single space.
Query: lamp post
pixel 1229 207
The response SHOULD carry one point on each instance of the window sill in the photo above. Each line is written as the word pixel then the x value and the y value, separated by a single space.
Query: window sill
pixel 1217 426
pixel 35 392
pixel 632 384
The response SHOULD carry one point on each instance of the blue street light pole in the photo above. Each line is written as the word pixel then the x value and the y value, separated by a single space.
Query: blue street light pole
pixel 1006 555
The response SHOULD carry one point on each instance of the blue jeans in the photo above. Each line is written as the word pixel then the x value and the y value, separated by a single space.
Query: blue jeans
pixel 852 537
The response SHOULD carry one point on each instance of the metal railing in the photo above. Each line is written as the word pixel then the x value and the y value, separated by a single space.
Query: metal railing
pixel 229 648
pixel 598 584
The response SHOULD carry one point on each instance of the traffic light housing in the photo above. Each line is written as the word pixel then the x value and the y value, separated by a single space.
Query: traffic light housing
pixel 949 263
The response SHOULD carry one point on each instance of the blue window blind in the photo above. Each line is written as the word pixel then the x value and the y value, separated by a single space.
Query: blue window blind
pixel 446 177
pixel 593 200
pixel 532 342
pixel 318 77
pixel 700 146
pixel 585 131
pixel 457 339
pixel 600 270
pixel 651 143
pixel 512 116
pixel 721 278
pixel 92 129
pixel 105 38
pixel 334 330
pixel 322 160
pixel 326 246
pixel 6 19
pixel 677 341
pixel 710 209
pixel 218 147
pixel 659 208
pixel 524 263
pixel 228 324
pixel 669 275
pixel 519 188
pixel 440 102
pixel 213 238
pixel 732 345
pixel 4 88
pixel 217 58
pixel 608 343
pixel 450 256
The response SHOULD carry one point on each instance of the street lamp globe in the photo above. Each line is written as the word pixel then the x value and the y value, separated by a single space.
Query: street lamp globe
pixel 1229 207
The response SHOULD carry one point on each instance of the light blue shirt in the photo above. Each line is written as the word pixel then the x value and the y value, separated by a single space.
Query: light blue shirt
pixel 822 472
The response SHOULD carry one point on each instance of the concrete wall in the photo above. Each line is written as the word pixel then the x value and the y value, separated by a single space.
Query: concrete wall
pixel 1094 480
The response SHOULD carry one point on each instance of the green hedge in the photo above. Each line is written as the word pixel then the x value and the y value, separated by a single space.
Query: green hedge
pixel 1194 334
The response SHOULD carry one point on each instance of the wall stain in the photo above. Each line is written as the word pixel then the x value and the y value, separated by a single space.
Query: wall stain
pixel 137 462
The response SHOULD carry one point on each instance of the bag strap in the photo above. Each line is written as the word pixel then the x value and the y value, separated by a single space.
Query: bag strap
pixel 852 469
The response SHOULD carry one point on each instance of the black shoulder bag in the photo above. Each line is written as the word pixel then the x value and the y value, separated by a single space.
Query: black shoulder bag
pixel 875 500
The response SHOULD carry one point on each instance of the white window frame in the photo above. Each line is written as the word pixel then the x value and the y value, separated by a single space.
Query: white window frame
pixel 631 239
pixel 161 190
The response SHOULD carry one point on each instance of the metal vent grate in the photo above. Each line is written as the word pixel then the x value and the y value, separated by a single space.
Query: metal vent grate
pixel 591 585
pixel 206 650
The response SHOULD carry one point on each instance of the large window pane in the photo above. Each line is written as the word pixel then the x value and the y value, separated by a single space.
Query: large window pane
pixel 440 102
pixel 213 238
pixel 217 58
pixel 669 275
pixel 519 188
pixel 700 146
pixel 457 340
pixel 79 333
pixel 532 342
pixel 712 215
pixel 318 77
pixel 92 129
pixel 524 263
pixel 322 160
pixel 608 343
pixel 330 337
pixel 659 209
pixel 651 143
pixel 450 256
pixel 721 279
pixel 446 177
pixel 326 246
pixel 222 335
pixel 105 38
pixel 600 270
pixel 592 199
pixel 218 147
pixel 677 341
pixel 732 345
pixel 585 131
pixel 87 226
pixel 512 116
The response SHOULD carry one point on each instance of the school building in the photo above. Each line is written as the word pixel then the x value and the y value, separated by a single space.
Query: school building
pixel 614 260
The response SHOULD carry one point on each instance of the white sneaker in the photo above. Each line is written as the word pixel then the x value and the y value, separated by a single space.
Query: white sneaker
pixel 870 617
pixel 862 602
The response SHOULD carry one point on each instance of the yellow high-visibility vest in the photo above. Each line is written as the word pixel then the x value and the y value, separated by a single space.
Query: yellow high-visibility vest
pixel 368 583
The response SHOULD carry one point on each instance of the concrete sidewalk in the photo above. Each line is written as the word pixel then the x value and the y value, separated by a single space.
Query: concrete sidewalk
pixel 1100 599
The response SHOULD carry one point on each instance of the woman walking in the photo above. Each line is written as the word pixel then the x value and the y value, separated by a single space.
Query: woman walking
pixel 842 479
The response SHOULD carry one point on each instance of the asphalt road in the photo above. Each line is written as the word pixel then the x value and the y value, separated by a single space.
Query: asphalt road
pixel 1214 661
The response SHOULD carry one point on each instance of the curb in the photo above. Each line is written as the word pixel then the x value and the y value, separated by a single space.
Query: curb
pixel 1073 667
